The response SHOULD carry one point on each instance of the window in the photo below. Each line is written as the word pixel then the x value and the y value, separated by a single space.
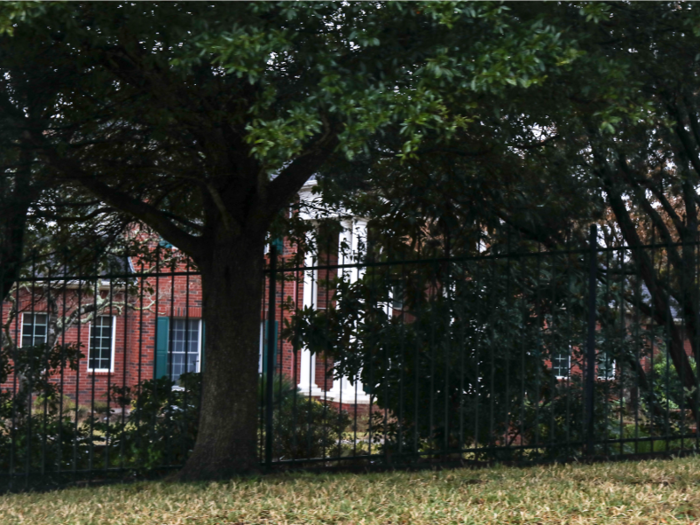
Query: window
pixel 34 329
pixel 185 347
pixel 561 364
pixel 101 351
pixel 397 295
pixel 606 367
pixel 179 345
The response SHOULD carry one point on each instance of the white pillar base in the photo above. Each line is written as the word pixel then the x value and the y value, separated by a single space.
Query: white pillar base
pixel 347 393
pixel 314 391
pixel 307 377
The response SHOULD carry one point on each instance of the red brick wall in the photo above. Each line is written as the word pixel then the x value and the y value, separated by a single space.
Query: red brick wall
pixel 176 296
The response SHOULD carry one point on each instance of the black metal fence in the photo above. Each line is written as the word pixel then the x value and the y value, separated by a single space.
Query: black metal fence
pixel 512 354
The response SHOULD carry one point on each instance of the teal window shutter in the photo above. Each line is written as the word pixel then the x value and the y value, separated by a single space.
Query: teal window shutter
pixel 201 350
pixel 264 348
pixel 162 333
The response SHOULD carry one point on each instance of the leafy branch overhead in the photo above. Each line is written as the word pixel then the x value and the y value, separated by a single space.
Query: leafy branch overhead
pixel 228 123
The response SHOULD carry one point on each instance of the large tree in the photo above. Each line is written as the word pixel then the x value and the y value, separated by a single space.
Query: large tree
pixel 204 120
pixel 649 169
pixel 628 117
pixel 614 140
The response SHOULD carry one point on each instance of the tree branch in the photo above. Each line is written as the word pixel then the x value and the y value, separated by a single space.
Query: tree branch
pixel 143 211
pixel 283 188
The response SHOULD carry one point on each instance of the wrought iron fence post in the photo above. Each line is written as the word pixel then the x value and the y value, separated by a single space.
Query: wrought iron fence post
pixel 590 343
pixel 270 368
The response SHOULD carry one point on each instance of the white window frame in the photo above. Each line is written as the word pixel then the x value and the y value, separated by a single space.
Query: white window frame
pixel 33 314
pixel 112 351
pixel 198 367
pixel 606 377
pixel 568 367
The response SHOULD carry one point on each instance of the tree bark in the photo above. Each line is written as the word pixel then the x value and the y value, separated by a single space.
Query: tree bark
pixel 12 233
pixel 232 283
pixel 14 208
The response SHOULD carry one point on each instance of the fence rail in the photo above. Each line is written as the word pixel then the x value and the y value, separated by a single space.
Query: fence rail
pixel 514 354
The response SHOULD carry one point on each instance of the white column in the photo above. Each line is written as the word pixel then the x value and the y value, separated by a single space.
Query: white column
pixel 359 239
pixel 351 234
pixel 307 375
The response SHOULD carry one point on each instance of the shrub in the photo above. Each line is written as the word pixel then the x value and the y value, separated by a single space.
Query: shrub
pixel 161 428
pixel 157 429
pixel 303 427
pixel 307 428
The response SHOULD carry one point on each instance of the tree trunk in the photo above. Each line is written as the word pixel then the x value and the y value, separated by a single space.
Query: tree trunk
pixel 661 298
pixel 232 284
pixel 11 248
pixel 12 232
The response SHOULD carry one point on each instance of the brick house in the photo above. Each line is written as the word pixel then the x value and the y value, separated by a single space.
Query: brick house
pixel 154 327
pixel 141 327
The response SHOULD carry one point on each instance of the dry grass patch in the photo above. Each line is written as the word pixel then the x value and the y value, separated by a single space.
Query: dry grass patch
pixel 652 492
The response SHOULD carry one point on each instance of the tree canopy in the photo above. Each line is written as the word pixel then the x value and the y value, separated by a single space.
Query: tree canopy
pixel 614 139
pixel 203 121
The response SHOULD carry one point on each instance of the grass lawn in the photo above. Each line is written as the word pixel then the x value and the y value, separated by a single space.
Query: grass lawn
pixel 622 493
